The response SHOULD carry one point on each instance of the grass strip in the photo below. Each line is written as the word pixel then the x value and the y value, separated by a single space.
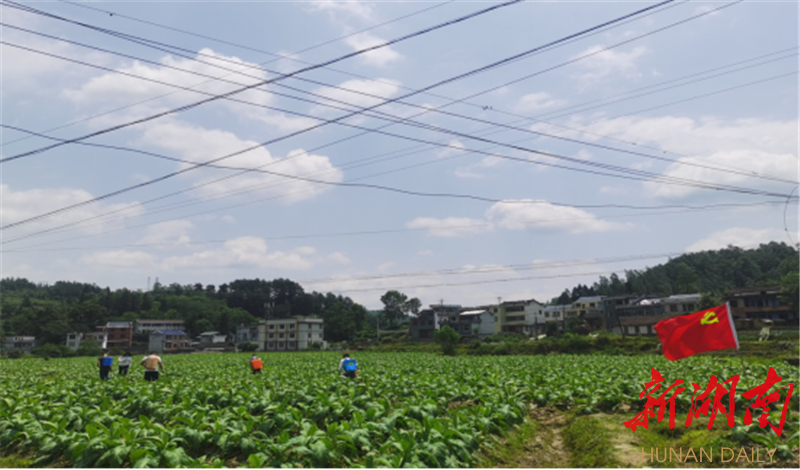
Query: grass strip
pixel 589 443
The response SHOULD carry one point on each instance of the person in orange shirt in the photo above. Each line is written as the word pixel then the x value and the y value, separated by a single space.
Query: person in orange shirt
pixel 256 365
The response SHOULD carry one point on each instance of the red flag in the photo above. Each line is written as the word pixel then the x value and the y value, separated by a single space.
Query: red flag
pixel 706 330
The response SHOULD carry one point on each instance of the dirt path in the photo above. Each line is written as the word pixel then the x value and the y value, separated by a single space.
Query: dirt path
pixel 547 449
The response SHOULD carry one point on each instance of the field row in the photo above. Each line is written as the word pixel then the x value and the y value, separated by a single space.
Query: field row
pixel 408 409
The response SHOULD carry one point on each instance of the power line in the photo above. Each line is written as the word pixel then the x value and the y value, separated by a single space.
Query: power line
pixel 659 212
pixel 278 56
pixel 581 108
pixel 475 71
pixel 372 186
pixel 387 116
pixel 263 82
pixel 472 283
pixel 471 136
pixel 148 44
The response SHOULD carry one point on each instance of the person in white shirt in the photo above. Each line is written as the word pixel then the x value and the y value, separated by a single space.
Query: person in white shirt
pixel 152 364
pixel 125 362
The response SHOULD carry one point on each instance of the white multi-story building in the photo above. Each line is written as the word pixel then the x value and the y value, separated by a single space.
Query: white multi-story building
pixel 19 343
pixel 290 334
pixel 168 341
pixel 247 334
pixel 148 326
pixel 74 339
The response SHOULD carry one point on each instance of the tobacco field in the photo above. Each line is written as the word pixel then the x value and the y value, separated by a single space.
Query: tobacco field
pixel 405 409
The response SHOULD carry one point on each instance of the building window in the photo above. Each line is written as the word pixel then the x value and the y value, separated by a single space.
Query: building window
pixel 291 327
pixel 291 335
pixel 547 314
pixel 557 315
pixel 282 327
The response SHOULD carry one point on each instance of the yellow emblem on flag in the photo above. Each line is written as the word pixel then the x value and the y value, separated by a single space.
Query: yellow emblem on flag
pixel 709 318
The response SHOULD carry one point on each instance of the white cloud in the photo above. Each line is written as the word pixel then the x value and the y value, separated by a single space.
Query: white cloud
pixel 455 148
pixel 518 215
pixel 609 63
pixel 200 145
pixel 119 259
pixel 534 102
pixel 450 227
pixel 355 8
pixel 339 258
pixel 707 8
pixel 741 237
pixel 745 145
pixel 24 204
pixel 379 57
pixel 583 155
pixel 28 70
pixel 113 89
pixel 380 87
pixel 240 253
pixel 546 216
pixel 470 171
pixel 753 160
pixel 172 232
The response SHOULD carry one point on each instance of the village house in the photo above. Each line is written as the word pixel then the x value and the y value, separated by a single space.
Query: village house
pixel 19 343
pixel 166 341
pixel 75 339
pixel 761 303
pixel 290 334
pixel 119 334
pixel 148 326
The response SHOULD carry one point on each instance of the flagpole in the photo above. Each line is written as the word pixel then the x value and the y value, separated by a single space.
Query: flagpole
pixel 736 337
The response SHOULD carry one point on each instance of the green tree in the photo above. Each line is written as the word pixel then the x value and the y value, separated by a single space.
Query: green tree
pixel 790 289
pixel 396 306
pixel 448 338
pixel 89 348
pixel 565 298
pixel 708 300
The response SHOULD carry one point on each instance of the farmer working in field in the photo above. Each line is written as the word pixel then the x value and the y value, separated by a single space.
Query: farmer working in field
pixel 348 366
pixel 104 363
pixel 255 364
pixel 125 363
pixel 152 364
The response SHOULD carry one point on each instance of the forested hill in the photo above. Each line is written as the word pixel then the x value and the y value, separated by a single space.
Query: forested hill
pixel 714 272
pixel 49 312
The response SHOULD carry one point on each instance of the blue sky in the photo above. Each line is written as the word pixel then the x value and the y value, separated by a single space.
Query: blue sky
pixel 732 121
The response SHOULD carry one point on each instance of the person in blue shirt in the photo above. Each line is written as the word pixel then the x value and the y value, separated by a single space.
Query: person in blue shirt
pixel 105 363
pixel 348 366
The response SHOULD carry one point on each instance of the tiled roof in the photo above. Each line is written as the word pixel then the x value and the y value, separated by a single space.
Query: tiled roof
pixel 596 298
pixel 754 290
